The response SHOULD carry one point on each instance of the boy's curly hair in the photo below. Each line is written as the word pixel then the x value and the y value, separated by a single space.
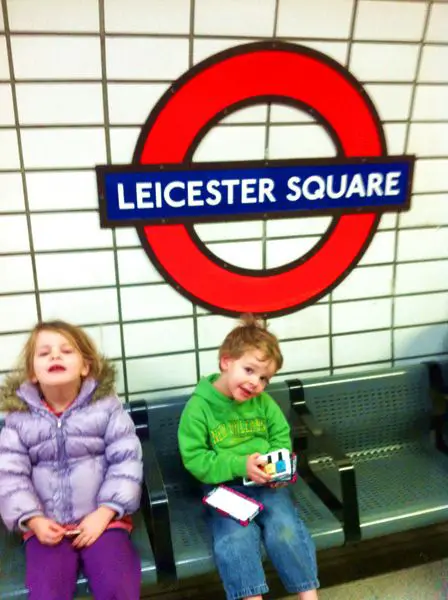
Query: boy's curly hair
pixel 251 334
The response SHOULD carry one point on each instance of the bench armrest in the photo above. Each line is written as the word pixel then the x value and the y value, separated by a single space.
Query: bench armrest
pixel 439 389
pixel 342 462
pixel 439 397
pixel 156 513
pixel 155 505
pixel 325 442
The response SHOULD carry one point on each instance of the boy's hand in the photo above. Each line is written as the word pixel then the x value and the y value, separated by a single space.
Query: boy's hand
pixel 47 531
pixel 93 526
pixel 278 484
pixel 254 472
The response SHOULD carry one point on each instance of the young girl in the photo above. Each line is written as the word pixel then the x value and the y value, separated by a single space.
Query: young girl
pixel 70 468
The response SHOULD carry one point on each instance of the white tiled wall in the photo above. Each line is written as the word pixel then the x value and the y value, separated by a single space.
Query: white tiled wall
pixel 84 78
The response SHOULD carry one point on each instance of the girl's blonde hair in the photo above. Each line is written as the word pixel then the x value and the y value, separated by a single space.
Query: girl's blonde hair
pixel 251 334
pixel 77 338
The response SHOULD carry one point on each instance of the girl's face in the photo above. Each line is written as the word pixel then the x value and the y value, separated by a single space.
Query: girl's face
pixel 56 361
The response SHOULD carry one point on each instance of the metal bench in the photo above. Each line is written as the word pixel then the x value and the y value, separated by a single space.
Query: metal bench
pixel 366 448
pixel 190 538
pixel 382 421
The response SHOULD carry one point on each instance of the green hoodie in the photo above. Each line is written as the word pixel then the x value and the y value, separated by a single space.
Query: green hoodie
pixel 217 434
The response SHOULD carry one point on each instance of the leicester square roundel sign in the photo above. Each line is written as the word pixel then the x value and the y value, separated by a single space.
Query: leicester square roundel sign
pixel 163 193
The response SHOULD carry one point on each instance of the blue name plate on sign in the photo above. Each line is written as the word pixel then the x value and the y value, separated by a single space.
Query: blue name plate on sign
pixel 198 192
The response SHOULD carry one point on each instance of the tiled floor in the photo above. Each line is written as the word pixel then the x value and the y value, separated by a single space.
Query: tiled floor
pixel 427 582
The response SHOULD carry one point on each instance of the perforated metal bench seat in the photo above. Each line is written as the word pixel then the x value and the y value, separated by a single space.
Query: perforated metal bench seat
pixel 382 420
pixel 399 491
pixel 191 539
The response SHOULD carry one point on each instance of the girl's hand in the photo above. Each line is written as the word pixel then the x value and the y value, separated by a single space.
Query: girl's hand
pixel 93 526
pixel 253 468
pixel 47 531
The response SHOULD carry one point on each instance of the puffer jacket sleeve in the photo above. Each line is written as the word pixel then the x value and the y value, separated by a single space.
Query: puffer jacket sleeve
pixel 18 499
pixel 121 488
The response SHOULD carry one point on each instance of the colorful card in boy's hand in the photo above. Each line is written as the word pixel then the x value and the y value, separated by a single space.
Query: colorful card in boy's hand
pixel 233 504
pixel 281 465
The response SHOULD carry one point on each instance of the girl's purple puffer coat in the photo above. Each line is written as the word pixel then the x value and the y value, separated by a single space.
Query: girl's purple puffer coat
pixel 65 467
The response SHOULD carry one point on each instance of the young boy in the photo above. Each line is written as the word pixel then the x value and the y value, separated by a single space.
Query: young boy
pixel 225 427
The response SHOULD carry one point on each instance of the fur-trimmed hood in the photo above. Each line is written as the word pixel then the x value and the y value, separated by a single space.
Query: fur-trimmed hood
pixel 15 385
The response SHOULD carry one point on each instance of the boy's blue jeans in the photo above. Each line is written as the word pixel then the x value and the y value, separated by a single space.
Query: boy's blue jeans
pixel 237 549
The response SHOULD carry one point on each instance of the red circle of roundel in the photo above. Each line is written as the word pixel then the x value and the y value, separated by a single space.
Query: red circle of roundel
pixel 259 72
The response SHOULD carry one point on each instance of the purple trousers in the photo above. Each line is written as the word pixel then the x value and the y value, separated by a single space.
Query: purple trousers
pixel 111 565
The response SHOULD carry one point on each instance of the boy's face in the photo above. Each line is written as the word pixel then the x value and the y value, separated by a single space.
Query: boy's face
pixel 246 377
